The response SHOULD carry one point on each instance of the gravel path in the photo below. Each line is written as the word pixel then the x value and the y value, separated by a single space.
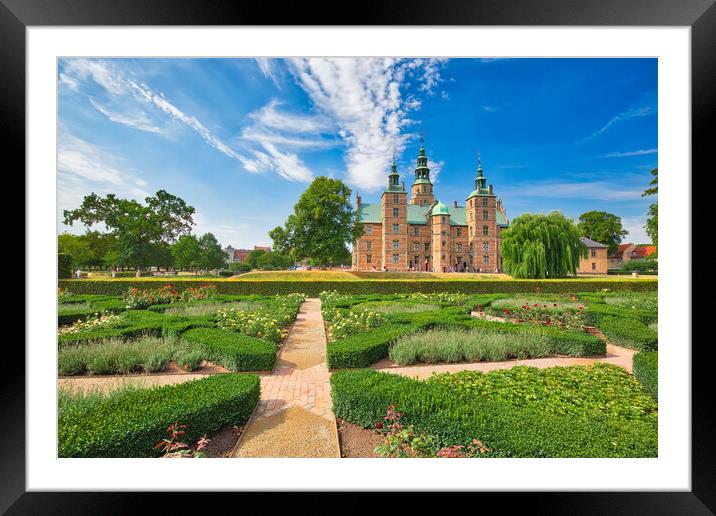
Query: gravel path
pixel 294 417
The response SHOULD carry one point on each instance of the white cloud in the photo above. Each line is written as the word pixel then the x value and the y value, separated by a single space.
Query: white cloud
pixel 137 120
pixel 635 227
pixel 645 107
pixel 269 116
pixel 435 168
pixel 266 65
pixel 363 98
pixel 631 153
pixel 599 190
pixel 83 168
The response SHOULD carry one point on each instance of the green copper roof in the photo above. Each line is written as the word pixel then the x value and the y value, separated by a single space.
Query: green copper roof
pixel 422 181
pixel 439 209
pixel 371 213
pixel 418 214
pixel 481 191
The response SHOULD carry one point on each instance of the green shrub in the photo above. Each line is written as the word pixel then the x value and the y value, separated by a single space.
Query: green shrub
pixel 232 350
pixel 362 397
pixel 646 369
pixel 314 288
pixel 630 333
pixel 641 265
pixel 460 345
pixel 366 348
pixel 226 274
pixel 64 266
pixel 129 423
pixel 189 359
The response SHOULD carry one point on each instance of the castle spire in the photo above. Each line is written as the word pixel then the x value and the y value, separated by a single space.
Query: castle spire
pixel 480 179
pixel 422 172
pixel 393 177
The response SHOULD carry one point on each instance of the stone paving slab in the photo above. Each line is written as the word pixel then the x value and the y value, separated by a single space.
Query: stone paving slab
pixel 294 416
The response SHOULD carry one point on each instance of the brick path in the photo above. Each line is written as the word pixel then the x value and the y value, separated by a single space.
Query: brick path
pixel 294 416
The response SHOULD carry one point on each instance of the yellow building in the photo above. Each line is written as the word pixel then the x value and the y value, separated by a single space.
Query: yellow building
pixel 596 261
pixel 422 234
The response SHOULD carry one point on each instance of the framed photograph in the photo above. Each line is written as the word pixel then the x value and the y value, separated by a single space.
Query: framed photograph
pixel 307 252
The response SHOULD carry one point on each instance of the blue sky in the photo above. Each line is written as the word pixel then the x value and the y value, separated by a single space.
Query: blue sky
pixel 240 139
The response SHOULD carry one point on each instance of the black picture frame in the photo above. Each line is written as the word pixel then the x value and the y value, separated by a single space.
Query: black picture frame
pixel 700 15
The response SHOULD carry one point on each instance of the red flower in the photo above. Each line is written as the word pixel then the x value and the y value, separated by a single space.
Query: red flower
pixel 379 425
pixel 536 304
pixel 555 304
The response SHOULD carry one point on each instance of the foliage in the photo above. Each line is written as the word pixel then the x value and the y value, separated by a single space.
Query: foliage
pixel 602 227
pixel 128 423
pixel 548 314
pixel 314 288
pixel 645 365
pixel 212 255
pixel 322 224
pixel 136 298
pixel 652 221
pixel 273 261
pixel 463 345
pixel 361 396
pixel 267 323
pixel 342 323
pixel 252 260
pixel 62 294
pixel 630 333
pixel 541 246
pixel 234 351
pixel 585 392
pixel 366 348
pixel 172 447
pixel 239 267
pixel 640 265
pixel 186 252
pixel 444 298
pixel 91 323
pixel 64 266
pixel 141 233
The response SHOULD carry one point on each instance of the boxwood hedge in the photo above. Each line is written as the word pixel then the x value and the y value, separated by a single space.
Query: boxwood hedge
pixel 233 350
pixel 646 369
pixel 630 333
pixel 313 288
pixel 130 423
pixel 363 396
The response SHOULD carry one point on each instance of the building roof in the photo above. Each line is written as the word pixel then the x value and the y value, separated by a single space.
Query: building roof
pixel 371 214
pixel 643 251
pixel 439 209
pixel 619 253
pixel 591 243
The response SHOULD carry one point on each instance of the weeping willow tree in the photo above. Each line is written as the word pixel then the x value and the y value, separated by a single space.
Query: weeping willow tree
pixel 541 246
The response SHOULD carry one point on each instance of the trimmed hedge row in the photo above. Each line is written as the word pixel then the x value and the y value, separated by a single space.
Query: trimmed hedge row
pixel 130 424
pixel 233 350
pixel 646 369
pixel 64 266
pixel 69 316
pixel 313 288
pixel 365 349
pixel 630 333
pixel 362 397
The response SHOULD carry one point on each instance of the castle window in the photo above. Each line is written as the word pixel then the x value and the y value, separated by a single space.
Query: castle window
pixel 416 247
pixel 443 243
pixel 395 199
pixel 416 230
pixel 486 260
pixel 368 258
pixel 484 201
pixel 369 230
pixel 396 244
pixel 458 247
pixel 485 230
pixel 459 232
pixel 417 260
pixel 395 228
pixel 485 214
pixel 594 266
pixel 395 259
pixel 485 247
pixel 424 188
pixel 442 233
pixel 594 253
pixel 396 212
pixel 443 220
pixel 427 247
pixel 368 245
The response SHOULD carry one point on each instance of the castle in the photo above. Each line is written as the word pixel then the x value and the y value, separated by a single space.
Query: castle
pixel 423 234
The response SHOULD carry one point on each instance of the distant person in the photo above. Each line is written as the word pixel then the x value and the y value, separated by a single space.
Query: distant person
pixel 78 274
pixel 114 272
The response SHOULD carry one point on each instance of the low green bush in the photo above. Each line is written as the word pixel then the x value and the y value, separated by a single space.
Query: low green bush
pixel 646 369
pixel 233 350
pixel 630 333
pixel 130 422
pixel 314 288
pixel 640 265
pixel 362 397
pixel 366 348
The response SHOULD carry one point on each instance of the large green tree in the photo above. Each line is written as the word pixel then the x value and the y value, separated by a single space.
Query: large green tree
pixel 274 261
pixel 186 252
pixel 602 227
pixel 652 221
pixel 77 247
pixel 140 232
pixel 541 246
pixel 321 226
pixel 252 259
pixel 212 255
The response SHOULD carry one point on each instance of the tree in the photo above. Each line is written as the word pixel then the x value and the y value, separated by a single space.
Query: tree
pixel 99 244
pixel 602 227
pixel 186 252
pixel 212 255
pixel 252 259
pixel 274 261
pixel 76 247
pixel 322 224
pixel 140 232
pixel 541 246
pixel 652 221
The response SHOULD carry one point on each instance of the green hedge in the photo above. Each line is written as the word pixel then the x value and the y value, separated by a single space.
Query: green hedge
pixel 365 349
pixel 64 266
pixel 67 315
pixel 630 333
pixel 313 288
pixel 646 369
pixel 362 397
pixel 233 350
pixel 129 424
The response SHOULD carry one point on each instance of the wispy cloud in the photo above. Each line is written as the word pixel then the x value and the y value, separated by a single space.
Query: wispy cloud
pixel 267 67
pixel 645 107
pixel 598 190
pixel 138 120
pixel 363 98
pixel 490 109
pixel 635 227
pixel 631 153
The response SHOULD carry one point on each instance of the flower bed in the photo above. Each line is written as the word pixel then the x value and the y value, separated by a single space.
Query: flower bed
pixel 136 298
pixel 270 323
pixel 362 397
pixel 128 423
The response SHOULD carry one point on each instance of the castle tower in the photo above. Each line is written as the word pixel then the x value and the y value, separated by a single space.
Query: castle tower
pixel 483 229
pixel 394 218
pixel 441 239
pixel 422 189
